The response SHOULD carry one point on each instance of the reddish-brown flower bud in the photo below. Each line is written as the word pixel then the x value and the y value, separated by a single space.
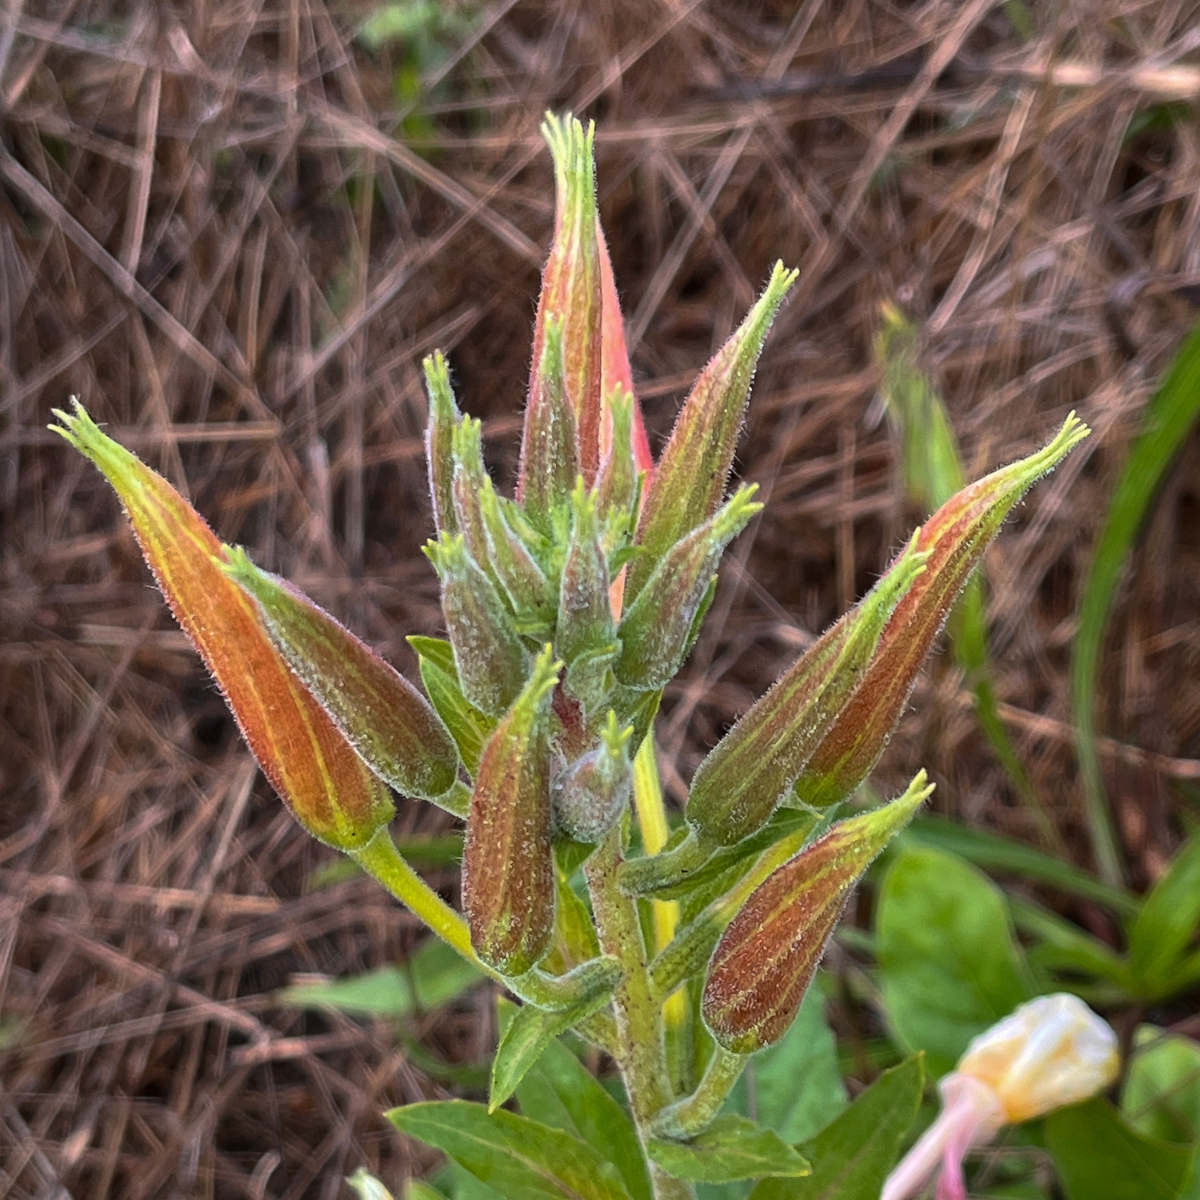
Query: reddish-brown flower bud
pixel 740 784
pixel 571 292
pixel 308 760
pixel 508 864
pixel 766 959
pixel 381 714
pixel 439 442
pixel 954 538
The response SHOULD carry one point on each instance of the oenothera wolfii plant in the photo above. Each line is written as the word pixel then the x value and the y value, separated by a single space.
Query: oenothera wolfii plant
pixel 568 609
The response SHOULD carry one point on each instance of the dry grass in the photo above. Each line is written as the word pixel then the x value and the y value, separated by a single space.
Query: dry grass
pixel 215 229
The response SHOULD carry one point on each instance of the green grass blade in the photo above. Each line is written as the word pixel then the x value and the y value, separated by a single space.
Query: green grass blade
pixel 1169 417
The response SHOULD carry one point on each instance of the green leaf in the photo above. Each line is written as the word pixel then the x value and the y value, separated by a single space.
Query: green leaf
pixel 994 852
pixel 1062 946
pixel 796 1083
pixel 1166 925
pixel 435 975
pixel 852 1156
pixel 469 727
pixel 1161 1097
pixel 949 965
pixel 561 1092
pixel 1099 1156
pixel 521 1159
pixel 418 1190
pixel 525 1038
pixel 1169 416
pixel 730 1148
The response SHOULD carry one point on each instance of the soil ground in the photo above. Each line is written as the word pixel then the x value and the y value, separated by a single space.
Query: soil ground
pixel 234 227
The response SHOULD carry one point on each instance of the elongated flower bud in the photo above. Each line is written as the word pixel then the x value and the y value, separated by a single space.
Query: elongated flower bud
pixel 1050 1052
pixel 312 766
pixel 380 713
pixel 657 627
pixel 490 658
pixel 689 481
pixel 740 784
pixel 615 372
pixel 508 864
pixel 469 479
pixel 549 445
pixel 766 959
pixel 522 579
pixel 571 292
pixel 593 791
pixel 617 483
pixel 955 538
pixel 584 616
pixel 439 442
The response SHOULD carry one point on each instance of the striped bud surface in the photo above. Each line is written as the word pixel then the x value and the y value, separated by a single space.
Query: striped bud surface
pixel 767 957
pixel 954 539
pixel 690 478
pixel 439 441
pixel 741 782
pixel 328 787
pixel 390 724
pixel 656 629
pixel 508 863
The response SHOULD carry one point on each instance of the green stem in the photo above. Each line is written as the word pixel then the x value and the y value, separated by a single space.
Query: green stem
pixel 640 1052
pixel 693 1115
pixel 380 859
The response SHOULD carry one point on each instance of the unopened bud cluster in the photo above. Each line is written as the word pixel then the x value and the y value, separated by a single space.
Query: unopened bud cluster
pixel 568 607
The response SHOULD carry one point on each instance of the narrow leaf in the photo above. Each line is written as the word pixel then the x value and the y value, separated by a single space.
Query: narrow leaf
pixel 1171 413
pixel 1166 925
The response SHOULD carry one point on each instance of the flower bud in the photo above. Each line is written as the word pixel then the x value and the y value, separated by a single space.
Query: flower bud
pixel 508 863
pixel 584 616
pixel 955 539
pixel 312 766
pixel 1050 1052
pixel 615 372
pixel 380 713
pixel 740 784
pixel 439 442
pixel 522 579
pixel 617 483
pixel 689 481
pixel 469 478
pixel 571 291
pixel 590 795
pixel 549 446
pixel 656 630
pixel 766 959
pixel 488 653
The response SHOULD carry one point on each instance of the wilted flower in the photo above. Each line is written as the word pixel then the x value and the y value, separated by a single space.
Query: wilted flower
pixel 1049 1053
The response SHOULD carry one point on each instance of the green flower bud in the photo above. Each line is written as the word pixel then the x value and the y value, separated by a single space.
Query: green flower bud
pixel 689 481
pixel 766 959
pixel 469 479
pixel 591 794
pixel 656 629
pixel 549 446
pixel 617 482
pixel 381 714
pixel 954 539
pixel 508 863
pixel 740 784
pixel 518 571
pixel 439 442
pixel 488 653
pixel 584 616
